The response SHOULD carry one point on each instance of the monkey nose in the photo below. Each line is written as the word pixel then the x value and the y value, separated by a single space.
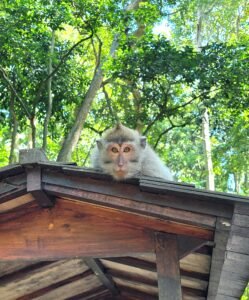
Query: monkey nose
pixel 120 161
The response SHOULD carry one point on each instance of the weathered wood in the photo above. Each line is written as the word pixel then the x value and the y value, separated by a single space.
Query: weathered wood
pixel 19 179
pixel 186 245
pixel 152 281
pixel 20 273
pixel 112 188
pixel 134 294
pixel 42 277
pixel 34 186
pixel 96 266
pixel 79 286
pixel 195 192
pixel 140 287
pixel 193 266
pixel 218 257
pixel 10 170
pixel 45 290
pixel 168 269
pixel 16 202
pixel 31 155
pixel 134 206
pixel 241 209
pixel 238 244
pixel 5 188
pixel 241 220
pixel 99 293
pixel 19 191
pixel 10 268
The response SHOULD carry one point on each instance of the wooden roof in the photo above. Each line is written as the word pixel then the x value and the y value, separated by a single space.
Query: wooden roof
pixel 72 233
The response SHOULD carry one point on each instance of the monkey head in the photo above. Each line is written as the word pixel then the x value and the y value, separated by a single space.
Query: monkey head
pixel 121 152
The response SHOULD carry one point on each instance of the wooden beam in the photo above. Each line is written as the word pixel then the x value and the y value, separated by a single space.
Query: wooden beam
pixel 168 269
pixel 138 214
pixel 131 191
pixel 34 186
pixel 218 256
pixel 70 229
pixel 96 266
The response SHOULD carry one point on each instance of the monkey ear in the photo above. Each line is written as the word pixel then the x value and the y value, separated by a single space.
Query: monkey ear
pixel 143 141
pixel 99 144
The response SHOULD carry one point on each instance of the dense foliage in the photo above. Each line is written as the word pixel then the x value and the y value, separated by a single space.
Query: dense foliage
pixel 71 69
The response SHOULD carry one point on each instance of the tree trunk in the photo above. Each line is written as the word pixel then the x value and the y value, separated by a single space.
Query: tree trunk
pixel 73 136
pixel 208 152
pixel 210 185
pixel 50 97
pixel 12 157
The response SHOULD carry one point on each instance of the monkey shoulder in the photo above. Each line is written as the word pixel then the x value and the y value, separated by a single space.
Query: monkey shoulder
pixel 153 166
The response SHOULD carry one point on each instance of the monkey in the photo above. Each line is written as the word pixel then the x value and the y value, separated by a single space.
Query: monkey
pixel 123 153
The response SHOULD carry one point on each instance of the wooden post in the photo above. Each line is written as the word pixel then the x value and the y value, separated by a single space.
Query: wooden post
pixel 168 270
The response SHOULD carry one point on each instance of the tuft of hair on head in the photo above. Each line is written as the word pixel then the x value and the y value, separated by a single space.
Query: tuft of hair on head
pixel 118 125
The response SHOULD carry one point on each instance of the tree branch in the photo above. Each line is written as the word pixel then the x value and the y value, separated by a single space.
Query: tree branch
pixel 64 57
pixel 170 128
pixel 28 114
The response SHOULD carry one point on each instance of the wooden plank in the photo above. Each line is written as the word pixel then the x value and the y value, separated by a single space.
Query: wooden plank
pixel 168 269
pixel 42 277
pixel 140 287
pixel 189 286
pixel 224 297
pixel 19 191
pixel 99 293
pixel 154 210
pixel 19 273
pixel 132 276
pixel 113 188
pixel 10 170
pixel 71 229
pixel 218 257
pixel 12 267
pixel 52 286
pixel 133 294
pixel 238 244
pixel 194 266
pixel 242 209
pixel 18 179
pixel 72 289
pixel 241 220
pixel 19 201
pixel 195 192
pixel 96 266
pixel 6 188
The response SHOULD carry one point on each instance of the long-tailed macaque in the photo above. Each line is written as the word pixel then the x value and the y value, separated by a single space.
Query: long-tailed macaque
pixel 123 153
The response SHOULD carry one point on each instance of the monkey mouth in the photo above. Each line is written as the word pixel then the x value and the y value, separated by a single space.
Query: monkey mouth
pixel 120 174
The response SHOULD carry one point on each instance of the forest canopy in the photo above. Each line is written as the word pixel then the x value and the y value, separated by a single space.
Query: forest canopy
pixel 176 70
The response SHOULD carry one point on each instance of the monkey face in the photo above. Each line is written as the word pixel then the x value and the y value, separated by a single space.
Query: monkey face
pixel 121 160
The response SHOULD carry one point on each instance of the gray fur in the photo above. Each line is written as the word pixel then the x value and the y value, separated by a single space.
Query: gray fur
pixel 145 162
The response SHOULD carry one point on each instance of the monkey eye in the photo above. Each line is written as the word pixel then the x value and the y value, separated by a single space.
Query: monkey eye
pixel 127 149
pixel 114 150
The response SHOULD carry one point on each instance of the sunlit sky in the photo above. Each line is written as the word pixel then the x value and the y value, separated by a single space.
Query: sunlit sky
pixel 163 29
